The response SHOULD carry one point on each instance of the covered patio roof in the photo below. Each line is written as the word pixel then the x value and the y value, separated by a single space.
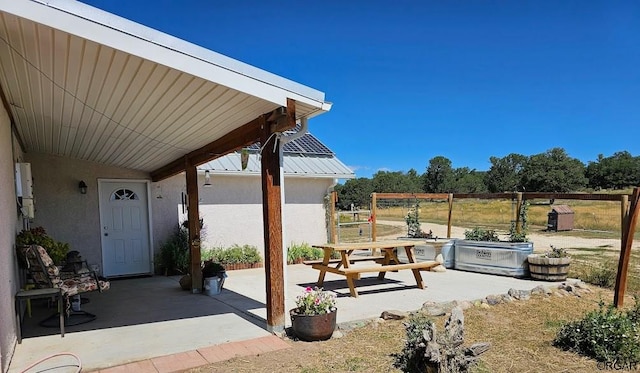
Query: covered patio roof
pixel 83 83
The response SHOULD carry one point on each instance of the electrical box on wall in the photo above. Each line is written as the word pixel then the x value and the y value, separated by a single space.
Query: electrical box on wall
pixel 24 182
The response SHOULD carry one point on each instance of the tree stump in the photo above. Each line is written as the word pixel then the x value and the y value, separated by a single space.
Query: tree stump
pixel 445 353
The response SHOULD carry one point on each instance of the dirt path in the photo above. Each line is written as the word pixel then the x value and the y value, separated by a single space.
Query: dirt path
pixel 540 242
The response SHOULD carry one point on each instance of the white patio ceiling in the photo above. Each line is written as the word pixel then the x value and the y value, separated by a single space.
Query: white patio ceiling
pixel 83 83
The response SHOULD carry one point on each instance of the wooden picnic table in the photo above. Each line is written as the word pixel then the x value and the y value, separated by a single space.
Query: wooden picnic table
pixel 387 262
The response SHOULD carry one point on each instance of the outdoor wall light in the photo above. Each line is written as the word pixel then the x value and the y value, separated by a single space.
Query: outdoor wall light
pixel 207 179
pixel 83 187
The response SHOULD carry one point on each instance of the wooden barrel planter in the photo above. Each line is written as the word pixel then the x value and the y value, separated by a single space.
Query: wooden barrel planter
pixel 548 269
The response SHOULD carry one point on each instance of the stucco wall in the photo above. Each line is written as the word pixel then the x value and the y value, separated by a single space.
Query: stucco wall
pixel 232 209
pixel 65 213
pixel 8 229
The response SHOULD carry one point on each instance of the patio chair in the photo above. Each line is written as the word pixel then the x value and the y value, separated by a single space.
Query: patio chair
pixel 45 274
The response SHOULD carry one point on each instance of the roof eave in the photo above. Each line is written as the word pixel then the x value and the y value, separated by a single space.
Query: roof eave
pixel 119 33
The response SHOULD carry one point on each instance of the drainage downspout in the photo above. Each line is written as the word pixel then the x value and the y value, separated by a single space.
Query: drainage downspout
pixel 304 126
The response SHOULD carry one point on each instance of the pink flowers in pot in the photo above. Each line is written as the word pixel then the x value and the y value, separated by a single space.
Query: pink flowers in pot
pixel 315 302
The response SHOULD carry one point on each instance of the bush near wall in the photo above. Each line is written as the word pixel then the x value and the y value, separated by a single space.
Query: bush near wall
pixel 235 257
pixel 297 253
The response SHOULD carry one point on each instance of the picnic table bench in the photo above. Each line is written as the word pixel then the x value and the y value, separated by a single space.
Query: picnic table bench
pixel 388 262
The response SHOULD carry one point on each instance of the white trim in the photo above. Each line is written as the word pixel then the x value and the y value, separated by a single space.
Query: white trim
pixel 149 218
pixel 119 33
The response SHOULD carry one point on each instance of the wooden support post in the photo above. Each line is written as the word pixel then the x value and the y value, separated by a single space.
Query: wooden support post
pixel 193 216
pixel 625 249
pixel 374 217
pixel 518 207
pixel 450 200
pixel 272 222
pixel 333 198
pixel 624 215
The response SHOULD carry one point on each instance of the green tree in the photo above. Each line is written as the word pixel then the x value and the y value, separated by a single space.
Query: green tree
pixel 414 182
pixel 553 171
pixel 439 177
pixel 505 173
pixel 618 171
pixel 395 182
pixel 357 191
pixel 468 181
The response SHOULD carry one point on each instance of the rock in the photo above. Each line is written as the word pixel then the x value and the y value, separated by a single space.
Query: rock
pixel 439 268
pixel 440 259
pixel 494 299
pixel 581 285
pixel 437 309
pixel 519 294
pixel 506 298
pixel 393 315
pixel 538 290
pixel 337 334
pixel 485 305
pixel 463 304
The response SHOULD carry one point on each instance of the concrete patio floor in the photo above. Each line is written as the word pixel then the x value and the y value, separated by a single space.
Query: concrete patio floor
pixel 145 318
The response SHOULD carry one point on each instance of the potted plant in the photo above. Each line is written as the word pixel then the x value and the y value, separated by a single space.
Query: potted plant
pixel 38 236
pixel 314 318
pixel 552 265
pixel 213 275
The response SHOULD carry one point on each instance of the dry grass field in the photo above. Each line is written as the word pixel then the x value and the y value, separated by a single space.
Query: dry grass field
pixel 599 218
pixel 520 333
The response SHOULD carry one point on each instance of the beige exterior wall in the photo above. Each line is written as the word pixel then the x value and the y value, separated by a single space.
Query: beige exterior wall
pixel 65 213
pixel 232 209
pixel 9 226
pixel 72 217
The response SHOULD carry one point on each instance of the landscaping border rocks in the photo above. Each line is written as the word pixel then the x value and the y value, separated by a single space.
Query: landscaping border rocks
pixel 567 288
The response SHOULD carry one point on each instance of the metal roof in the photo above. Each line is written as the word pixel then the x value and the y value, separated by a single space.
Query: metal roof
pixel 302 165
pixel 83 83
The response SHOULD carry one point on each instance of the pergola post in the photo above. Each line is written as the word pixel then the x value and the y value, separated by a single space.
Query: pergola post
pixel 374 217
pixel 629 227
pixel 193 216
pixel 450 214
pixel 272 216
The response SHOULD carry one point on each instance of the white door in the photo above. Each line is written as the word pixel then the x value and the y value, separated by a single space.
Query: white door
pixel 124 215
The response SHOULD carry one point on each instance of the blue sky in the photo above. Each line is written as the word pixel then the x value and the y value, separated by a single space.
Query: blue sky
pixel 411 80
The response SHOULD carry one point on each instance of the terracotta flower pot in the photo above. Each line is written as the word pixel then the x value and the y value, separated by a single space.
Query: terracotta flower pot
pixel 313 327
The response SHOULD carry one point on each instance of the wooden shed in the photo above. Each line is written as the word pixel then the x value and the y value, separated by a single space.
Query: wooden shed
pixel 560 218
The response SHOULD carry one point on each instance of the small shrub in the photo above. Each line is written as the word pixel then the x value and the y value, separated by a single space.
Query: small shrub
pixel 303 251
pixel 236 254
pixel 211 269
pixel 603 275
pixel 173 257
pixel 556 252
pixel 38 236
pixel 479 234
pixel 605 334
